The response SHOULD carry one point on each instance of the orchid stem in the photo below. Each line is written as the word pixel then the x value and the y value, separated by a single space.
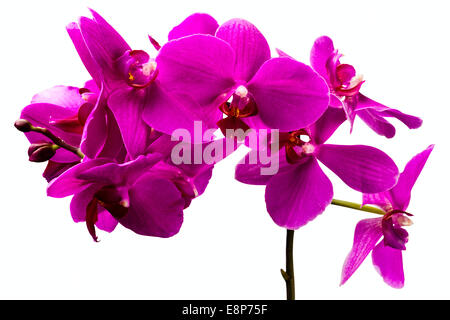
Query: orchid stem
pixel 288 275
pixel 357 206
pixel 25 126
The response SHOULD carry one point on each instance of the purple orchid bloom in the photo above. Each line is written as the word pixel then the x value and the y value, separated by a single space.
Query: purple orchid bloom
pixel 129 79
pixel 300 190
pixel 78 116
pixel 345 87
pixel 387 253
pixel 145 195
pixel 235 63
pixel 64 111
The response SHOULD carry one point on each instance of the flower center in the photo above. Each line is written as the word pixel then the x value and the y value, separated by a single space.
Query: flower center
pixel 114 200
pixel 241 105
pixel 343 78
pixel 394 235
pixel 137 69
pixel 241 91
pixel 298 146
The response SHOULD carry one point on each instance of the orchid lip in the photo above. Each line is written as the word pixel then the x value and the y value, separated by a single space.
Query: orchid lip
pixel 240 105
pixel 343 80
pixel 394 235
pixel 149 70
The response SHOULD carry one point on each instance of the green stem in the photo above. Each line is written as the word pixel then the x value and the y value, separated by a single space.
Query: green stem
pixel 357 206
pixel 288 275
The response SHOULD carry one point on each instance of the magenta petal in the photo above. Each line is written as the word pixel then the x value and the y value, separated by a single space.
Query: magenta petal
pixel 78 208
pixel 298 195
pixel 94 135
pixel 42 115
pixel 55 169
pixel 162 144
pixel 95 129
pixel 381 199
pixel 250 169
pixel 63 96
pixel 389 264
pixel 401 193
pixel 362 168
pixel 104 43
pixel 399 196
pixel 289 95
pixel 367 103
pixel 345 72
pixel 80 201
pixel 250 47
pixel 128 106
pixel 378 110
pixel 327 124
pixel 111 173
pixel 201 180
pixel 114 43
pixel 377 123
pixel 251 173
pixel 410 121
pixel 321 51
pixel 91 66
pixel 335 102
pixel 113 147
pixel 68 183
pixel 197 23
pixel 156 208
pixel 367 234
pixel 166 113
pixel 197 65
pixel 105 221
pixel 92 86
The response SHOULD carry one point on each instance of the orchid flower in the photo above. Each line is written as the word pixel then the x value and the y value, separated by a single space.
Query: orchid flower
pixel 236 64
pixel 106 193
pixel 300 190
pixel 345 87
pixel 63 110
pixel 145 195
pixel 387 253
pixel 112 144
pixel 131 87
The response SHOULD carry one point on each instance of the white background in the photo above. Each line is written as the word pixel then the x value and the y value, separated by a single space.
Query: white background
pixel 228 247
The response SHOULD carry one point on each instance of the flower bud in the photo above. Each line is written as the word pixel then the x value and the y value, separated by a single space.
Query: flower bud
pixel 23 125
pixel 41 152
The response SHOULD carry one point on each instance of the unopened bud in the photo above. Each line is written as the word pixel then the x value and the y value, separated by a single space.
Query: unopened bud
pixel 23 125
pixel 41 152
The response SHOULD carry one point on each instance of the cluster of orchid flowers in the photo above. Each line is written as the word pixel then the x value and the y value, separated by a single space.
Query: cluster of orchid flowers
pixel 110 144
